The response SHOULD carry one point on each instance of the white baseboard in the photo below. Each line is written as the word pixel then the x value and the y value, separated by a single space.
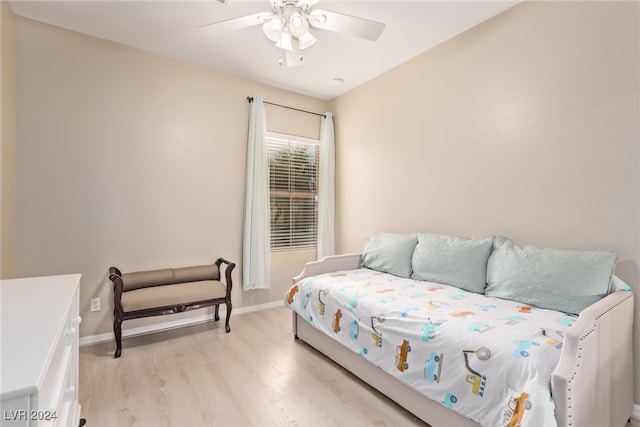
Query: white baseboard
pixel 141 330
pixel 635 416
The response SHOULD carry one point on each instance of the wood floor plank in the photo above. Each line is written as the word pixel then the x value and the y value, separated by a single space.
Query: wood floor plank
pixel 257 375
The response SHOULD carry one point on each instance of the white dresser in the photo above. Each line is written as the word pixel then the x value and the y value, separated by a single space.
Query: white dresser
pixel 39 351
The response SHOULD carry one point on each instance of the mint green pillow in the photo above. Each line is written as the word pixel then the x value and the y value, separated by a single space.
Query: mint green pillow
pixel 390 253
pixel 452 260
pixel 566 281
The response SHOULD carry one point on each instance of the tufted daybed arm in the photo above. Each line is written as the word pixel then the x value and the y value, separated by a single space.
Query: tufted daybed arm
pixel 330 264
pixel 592 384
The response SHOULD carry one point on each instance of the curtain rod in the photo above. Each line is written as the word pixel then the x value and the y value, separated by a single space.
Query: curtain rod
pixel 250 99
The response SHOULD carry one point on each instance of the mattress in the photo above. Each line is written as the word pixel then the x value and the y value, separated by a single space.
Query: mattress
pixel 486 358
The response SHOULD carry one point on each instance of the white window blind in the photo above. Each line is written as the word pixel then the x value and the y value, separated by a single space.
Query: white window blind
pixel 293 171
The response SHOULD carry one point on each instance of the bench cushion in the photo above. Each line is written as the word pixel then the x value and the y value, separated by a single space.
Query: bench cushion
pixel 193 274
pixel 172 295
pixel 166 276
pixel 143 279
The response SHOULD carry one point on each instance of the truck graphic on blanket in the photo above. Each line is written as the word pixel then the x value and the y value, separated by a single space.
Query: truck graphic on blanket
pixel 321 304
pixel 480 327
pixel 434 305
pixel 553 342
pixel 375 334
pixel 429 329
pixel 516 409
pixel 402 352
pixel 475 379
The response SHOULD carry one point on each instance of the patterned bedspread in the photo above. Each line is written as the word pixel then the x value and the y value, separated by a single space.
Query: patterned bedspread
pixel 486 358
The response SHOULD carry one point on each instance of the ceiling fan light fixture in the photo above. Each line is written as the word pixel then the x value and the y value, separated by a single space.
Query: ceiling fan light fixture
pixel 273 29
pixel 285 42
pixel 277 23
pixel 306 40
pixel 298 25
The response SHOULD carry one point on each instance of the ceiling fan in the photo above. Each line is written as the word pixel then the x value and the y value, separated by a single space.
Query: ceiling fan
pixel 289 23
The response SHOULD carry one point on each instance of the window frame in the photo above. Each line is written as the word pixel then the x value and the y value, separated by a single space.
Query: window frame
pixel 294 140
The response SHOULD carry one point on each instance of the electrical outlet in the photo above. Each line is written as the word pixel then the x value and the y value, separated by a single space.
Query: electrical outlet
pixel 95 304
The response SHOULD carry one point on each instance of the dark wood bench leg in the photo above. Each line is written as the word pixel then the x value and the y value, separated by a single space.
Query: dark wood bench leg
pixel 216 317
pixel 226 323
pixel 117 331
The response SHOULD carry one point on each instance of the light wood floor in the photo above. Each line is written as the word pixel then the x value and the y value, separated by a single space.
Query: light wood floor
pixel 257 375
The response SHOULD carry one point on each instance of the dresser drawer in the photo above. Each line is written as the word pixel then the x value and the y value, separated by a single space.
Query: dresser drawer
pixel 41 389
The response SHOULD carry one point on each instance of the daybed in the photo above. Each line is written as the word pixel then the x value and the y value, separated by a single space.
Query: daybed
pixel 540 340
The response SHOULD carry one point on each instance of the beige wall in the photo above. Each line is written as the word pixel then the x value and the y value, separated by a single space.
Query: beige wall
pixel 131 159
pixel 524 126
pixel 7 142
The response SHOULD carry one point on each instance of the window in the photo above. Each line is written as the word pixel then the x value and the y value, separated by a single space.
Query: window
pixel 293 186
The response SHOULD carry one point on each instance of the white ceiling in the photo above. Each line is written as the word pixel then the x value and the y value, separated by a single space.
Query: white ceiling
pixel 171 28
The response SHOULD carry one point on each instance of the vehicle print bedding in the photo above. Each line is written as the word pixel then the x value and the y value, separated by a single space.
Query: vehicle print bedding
pixel 488 359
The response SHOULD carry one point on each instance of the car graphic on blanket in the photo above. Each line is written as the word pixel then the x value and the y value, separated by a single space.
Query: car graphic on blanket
pixel 449 400
pixel 336 321
pixel 429 332
pixel 355 328
pixel 433 367
pixel 516 409
pixel 292 293
pixel 364 352
pixel 305 300
pixel 405 311
pixel 523 346
pixel 353 302
pixel 402 352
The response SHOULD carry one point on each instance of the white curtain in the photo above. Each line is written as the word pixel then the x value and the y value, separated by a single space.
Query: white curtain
pixel 327 184
pixel 256 239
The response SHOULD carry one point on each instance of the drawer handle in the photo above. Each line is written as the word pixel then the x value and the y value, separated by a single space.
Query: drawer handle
pixel 74 322
pixel 70 392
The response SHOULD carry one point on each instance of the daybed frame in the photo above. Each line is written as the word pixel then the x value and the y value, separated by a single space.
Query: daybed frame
pixel 592 384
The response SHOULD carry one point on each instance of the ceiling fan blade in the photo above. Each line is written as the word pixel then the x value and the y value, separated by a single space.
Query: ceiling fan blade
pixel 237 23
pixel 346 24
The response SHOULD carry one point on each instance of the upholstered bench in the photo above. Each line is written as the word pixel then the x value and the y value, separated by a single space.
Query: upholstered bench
pixel 168 291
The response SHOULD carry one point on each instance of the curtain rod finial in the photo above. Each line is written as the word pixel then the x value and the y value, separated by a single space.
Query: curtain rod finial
pixel 250 98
